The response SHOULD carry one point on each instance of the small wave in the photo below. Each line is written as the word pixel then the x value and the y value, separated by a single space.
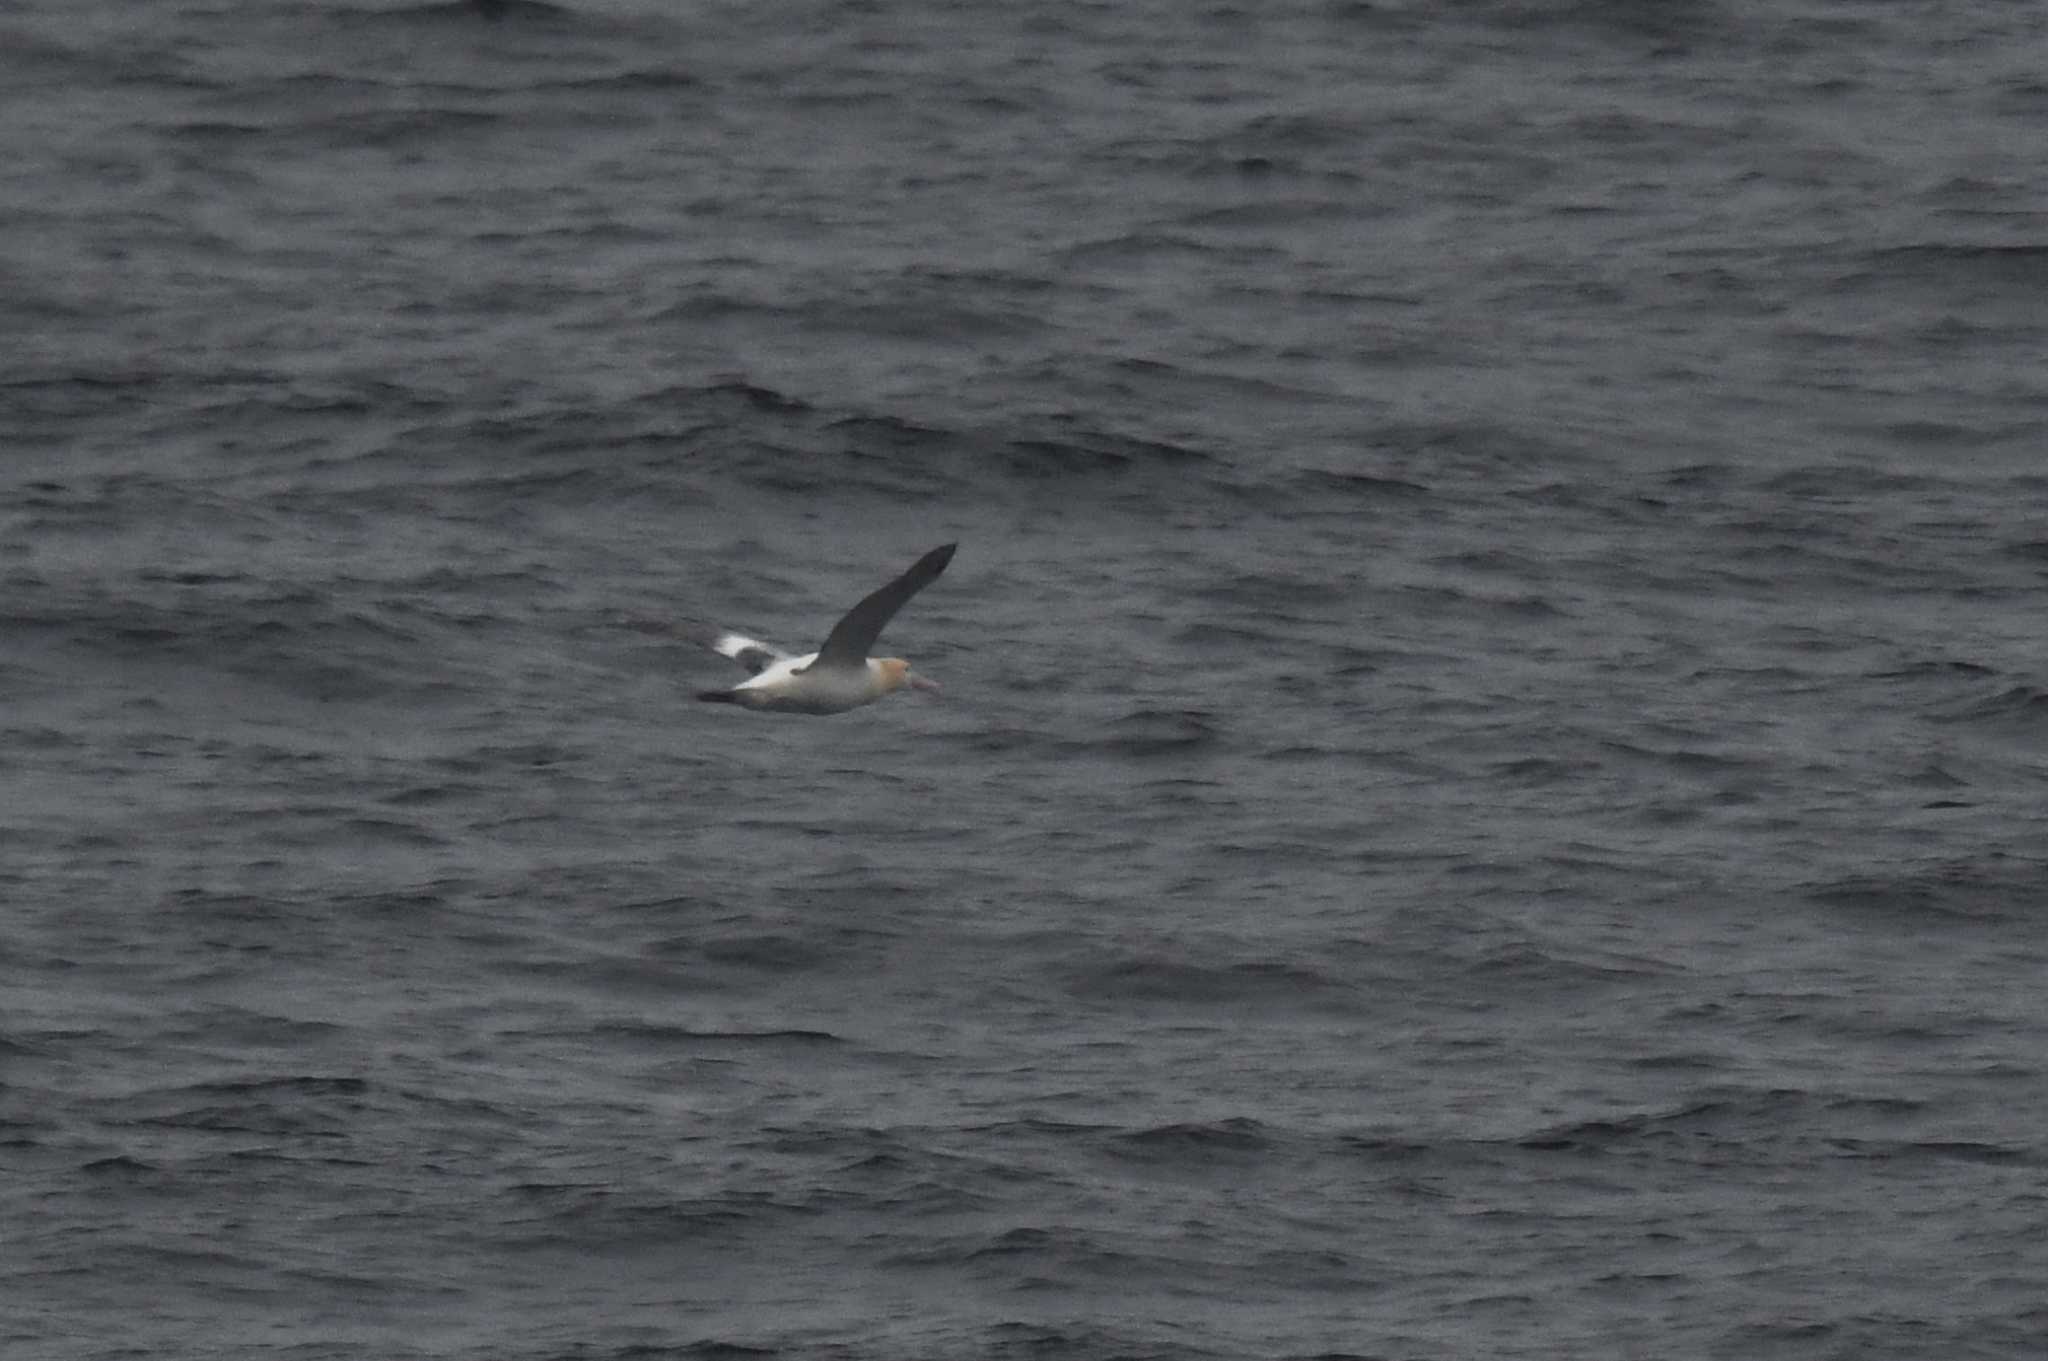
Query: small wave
pixel 2003 266
pixel 1012 1341
pixel 432 795
pixel 1841 481
pixel 1274 133
pixel 294 1084
pixel 214 131
pixel 582 1215
pixel 711 1349
pixel 1475 446
pixel 2025 705
pixel 1384 1147
pixel 1151 733
pixel 294 643
pixel 1680 1062
pixel 1196 1140
pixel 1134 246
pixel 1539 772
pixel 1674 28
pixel 1945 434
pixel 1044 1256
pixel 659 79
pixel 1695 1120
pixel 462 12
pixel 999 739
pixel 1323 482
pixel 1934 776
pixel 1940 1150
pixel 892 432
pixel 754 397
pixel 1164 980
pixel 1963 891
pixel 392 832
pixel 1687 759
pixel 658 1035
pixel 770 953
pixel 1272 592
pixel 1521 606
pixel 1933 669
pixel 1524 960
pixel 1097 452
pixel 280 1106
pixel 392 128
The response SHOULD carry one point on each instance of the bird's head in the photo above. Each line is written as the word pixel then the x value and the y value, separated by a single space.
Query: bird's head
pixel 897 675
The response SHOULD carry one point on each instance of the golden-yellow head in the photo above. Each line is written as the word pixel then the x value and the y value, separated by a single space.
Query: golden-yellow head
pixel 896 674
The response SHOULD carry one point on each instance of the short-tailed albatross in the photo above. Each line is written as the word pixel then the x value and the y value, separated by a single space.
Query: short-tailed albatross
pixel 839 675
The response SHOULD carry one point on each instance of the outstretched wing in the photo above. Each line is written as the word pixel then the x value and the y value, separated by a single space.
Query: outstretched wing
pixel 851 637
pixel 751 653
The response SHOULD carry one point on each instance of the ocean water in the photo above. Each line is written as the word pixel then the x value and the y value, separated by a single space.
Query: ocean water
pixel 1488 797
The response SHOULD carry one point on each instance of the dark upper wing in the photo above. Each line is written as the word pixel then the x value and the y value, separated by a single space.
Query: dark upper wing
pixel 851 637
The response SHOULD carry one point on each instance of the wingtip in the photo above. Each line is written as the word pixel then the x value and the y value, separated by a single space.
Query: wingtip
pixel 726 643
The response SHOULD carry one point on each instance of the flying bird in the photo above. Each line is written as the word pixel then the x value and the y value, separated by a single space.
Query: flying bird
pixel 839 675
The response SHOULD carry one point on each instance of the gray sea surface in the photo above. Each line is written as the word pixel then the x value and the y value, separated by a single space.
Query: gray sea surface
pixel 1488 799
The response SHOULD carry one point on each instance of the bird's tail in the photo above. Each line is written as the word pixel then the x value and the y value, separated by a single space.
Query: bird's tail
pixel 717 697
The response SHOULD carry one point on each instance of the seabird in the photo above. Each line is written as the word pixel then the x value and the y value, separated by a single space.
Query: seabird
pixel 840 675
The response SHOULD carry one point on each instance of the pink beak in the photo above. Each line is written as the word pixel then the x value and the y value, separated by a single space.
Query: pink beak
pixel 918 682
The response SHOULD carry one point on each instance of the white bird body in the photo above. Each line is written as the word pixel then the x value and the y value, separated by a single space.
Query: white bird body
pixel 839 675
pixel 790 684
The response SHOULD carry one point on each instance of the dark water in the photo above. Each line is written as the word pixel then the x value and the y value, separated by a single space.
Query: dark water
pixel 1488 801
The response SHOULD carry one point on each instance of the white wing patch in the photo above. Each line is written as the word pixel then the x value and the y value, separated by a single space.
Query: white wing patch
pixel 751 653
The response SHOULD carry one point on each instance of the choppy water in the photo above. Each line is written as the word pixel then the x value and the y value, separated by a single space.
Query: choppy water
pixel 1488 801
